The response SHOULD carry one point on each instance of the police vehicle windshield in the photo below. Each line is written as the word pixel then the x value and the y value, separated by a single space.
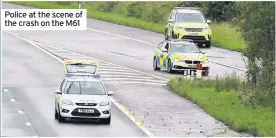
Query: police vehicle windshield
pixel 184 48
pixel 190 18
pixel 81 68
pixel 84 88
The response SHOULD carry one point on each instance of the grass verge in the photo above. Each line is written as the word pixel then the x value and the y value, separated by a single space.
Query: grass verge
pixel 219 98
pixel 223 34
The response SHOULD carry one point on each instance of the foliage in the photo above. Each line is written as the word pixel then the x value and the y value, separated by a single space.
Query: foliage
pixel 259 34
pixel 218 97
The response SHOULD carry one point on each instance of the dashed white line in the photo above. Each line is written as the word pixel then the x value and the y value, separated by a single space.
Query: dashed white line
pixel 5 90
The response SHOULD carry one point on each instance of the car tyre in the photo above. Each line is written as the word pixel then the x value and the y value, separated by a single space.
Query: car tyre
pixel 166 35
pixel 60 118
pixel 56 114
pixel 208 44
pixel 106 120
pixel 169 70
pixel 155 64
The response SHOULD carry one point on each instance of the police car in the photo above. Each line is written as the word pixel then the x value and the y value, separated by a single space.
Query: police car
pixel 174 55
pixel 82 96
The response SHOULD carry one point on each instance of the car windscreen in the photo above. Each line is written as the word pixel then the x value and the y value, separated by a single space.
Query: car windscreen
pixel 190 17
pixel 84 88
pixel 81 68
pixel 184 48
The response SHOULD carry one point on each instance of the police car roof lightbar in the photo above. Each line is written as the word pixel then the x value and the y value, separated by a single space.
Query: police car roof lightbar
pixel 82 75
pixel 187 8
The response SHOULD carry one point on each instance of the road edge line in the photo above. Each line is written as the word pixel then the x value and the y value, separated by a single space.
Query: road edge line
pixel 118 105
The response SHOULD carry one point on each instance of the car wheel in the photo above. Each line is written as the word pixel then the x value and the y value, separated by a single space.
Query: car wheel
pixel 169 70
pixel 56 114
pixel 208 44
pixel 60 118
pixel 106 120
pixel 155 64
pixel 166 35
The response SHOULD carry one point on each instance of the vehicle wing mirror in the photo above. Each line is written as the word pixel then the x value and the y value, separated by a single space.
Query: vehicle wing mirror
pixel 110 93
pixel 170 20
pixel 57 91
pixel 208 21
pixel 164 50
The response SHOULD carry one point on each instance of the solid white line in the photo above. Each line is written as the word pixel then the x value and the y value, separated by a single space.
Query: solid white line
pixel 137 40
pixel 116 103
pixel 145 42
pixel 133 119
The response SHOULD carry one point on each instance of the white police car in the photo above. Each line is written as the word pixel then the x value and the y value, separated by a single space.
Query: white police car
pixel 82 96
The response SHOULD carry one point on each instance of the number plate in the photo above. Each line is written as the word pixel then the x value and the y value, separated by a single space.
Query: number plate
pixel 194 33
pixel 86 110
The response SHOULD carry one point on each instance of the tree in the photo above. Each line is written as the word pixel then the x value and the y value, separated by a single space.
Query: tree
pixel 259 34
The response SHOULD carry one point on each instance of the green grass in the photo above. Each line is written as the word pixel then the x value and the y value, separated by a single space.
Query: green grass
pixel 219 99
pixel 223 35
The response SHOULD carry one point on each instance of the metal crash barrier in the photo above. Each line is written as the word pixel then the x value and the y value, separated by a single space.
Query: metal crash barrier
pixel 188 73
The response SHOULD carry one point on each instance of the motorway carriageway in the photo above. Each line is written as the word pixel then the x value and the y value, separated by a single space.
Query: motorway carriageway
pixel 30 77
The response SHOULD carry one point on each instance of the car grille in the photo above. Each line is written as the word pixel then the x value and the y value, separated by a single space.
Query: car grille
pixel 193 29
pixel 192 62
pixel 193 37
pixel 76 113
pixel 86 104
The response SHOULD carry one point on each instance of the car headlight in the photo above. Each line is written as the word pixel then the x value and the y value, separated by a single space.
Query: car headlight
pixel 68 102
pixel 104 103
pixel 205 62
pixel 180 28
pixel 206 29
pixel 177 60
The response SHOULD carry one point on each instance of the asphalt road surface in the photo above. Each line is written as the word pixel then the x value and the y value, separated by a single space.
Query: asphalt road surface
pixel 126 69
pixel 30 78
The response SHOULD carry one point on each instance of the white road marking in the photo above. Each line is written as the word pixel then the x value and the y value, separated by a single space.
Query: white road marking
pixel 135 82
pixel 5 90
pixel 121 73
pixel 122 76
pixel 145 42
pixel 28 124
pixel 140 80
pixel 20 112
pixel 111 98
pixel 12 100
pixel 115 70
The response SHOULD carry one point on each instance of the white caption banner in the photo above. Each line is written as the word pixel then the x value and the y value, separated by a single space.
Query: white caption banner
pixel 43 19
